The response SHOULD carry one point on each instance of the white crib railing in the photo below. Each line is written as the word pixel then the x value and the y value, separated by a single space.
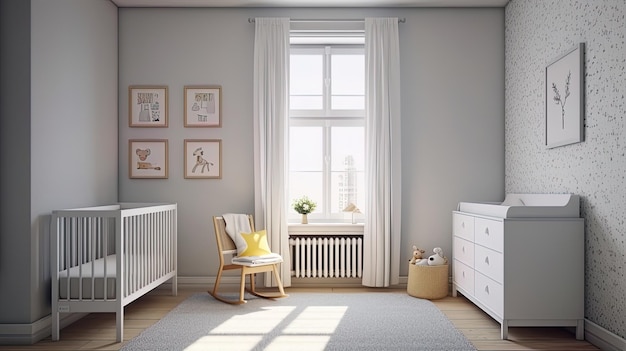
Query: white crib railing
pixel 105 257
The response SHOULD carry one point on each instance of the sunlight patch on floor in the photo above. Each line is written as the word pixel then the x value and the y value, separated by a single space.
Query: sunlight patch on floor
pixel 299 342
pixel 261 322
pixel 317 320
pixel 309 331
pixel 225 343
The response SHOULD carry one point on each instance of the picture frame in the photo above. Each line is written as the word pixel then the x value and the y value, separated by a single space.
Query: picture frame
pixel 147 106
pixel 203 106
pixel 148 158
pixel 203 158
pixel 565 98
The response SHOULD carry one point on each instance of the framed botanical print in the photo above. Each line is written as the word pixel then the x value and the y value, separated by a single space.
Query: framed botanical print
pixel 565 98
pixel 147 106
pixel 203 106
pixel 203 159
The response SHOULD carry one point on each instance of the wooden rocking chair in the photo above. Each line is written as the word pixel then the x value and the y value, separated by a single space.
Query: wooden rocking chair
pixel 227 248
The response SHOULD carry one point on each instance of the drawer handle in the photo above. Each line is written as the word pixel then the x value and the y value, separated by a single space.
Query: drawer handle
pixel 487 289
pixel 463 225
pixel 463 274
pixel 463 249
pixel 487 260
pixel 486 231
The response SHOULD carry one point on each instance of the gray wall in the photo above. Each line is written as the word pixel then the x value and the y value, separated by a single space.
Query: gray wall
pixel 452 120
pixel 63 125
pixel 537 32
pixel 15 148
pixel 452 114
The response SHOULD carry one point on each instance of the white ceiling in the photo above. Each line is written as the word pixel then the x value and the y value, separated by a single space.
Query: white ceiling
pixel 310 3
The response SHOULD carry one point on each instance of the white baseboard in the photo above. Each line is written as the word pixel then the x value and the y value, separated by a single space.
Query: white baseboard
pixel 30 333
pixel 602 338
pixel 234 281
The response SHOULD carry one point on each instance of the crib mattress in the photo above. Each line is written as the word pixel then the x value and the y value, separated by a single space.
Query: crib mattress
pixel 91 288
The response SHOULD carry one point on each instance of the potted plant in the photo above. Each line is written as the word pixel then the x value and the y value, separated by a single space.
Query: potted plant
pixel 304 206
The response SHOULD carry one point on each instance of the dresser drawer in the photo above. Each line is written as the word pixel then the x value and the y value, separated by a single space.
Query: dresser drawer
pixel 463 250
pixel 464 276
pixel 489 234
pixel 463 226
pixel 489 263
pixel 489 293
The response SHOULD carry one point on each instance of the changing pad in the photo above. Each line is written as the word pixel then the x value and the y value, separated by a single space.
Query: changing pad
pixel 527 206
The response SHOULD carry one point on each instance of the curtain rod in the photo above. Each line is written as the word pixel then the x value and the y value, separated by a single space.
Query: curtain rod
pixel 400 20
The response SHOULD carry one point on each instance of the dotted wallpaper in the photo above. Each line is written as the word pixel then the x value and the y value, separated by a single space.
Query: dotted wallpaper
pixel 536 33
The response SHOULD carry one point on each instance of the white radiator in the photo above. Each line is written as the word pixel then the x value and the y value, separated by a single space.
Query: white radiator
pixel 326 256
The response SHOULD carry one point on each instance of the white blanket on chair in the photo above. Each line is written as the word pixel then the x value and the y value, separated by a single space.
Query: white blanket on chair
pixel 255 260
pixel 235 224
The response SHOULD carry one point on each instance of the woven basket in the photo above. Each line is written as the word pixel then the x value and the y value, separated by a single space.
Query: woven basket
pixel 428 282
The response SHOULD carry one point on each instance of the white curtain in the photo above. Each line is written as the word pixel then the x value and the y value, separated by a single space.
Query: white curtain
pixel 271 82
pixel 381 266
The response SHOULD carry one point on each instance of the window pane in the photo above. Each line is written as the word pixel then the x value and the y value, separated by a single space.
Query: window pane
pixel 305 102
pixel 347 187
pixel 348 164
pixel 305 149
pixel 306 82
pixel 348 148
pixel 343 102
pixel 348 80
pixel 306 183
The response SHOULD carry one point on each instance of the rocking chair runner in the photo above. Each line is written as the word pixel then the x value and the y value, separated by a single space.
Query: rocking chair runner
pixel 227 247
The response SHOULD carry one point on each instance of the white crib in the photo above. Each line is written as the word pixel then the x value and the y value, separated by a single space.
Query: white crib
pixel 105 257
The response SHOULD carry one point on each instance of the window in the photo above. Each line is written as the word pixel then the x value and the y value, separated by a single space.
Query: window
pixel 327 129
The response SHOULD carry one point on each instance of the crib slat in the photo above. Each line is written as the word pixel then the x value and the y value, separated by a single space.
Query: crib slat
pixel 132 253
pixel 127 258
pixel 79 251
pixel 142 237
pixel 91 244
pixel 103 228
pixel 150 249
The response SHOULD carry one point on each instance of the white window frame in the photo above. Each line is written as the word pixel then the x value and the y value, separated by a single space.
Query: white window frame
pixel 326 118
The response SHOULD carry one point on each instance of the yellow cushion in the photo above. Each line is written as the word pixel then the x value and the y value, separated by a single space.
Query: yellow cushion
pixel 256 244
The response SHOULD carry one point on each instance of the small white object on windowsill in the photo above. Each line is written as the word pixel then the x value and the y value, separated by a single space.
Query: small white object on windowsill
pixel 352 208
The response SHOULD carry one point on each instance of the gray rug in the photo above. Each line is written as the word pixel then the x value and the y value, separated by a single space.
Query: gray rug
pixel 304 321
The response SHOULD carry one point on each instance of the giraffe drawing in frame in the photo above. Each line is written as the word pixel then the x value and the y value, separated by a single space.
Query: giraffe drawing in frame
pixel 201 161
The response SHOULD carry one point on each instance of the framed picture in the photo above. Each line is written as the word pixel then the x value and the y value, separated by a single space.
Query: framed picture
pixel 565 100
pixel 147 106
pixel 203 159
pixel 203 106
pixel 147 158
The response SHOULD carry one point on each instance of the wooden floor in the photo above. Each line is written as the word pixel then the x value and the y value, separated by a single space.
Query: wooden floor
pixel 97 330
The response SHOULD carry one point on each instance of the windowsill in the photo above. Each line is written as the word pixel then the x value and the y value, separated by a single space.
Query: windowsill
pixel 347 228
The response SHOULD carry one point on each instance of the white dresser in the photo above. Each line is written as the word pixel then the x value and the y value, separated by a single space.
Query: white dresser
pixel 522 271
